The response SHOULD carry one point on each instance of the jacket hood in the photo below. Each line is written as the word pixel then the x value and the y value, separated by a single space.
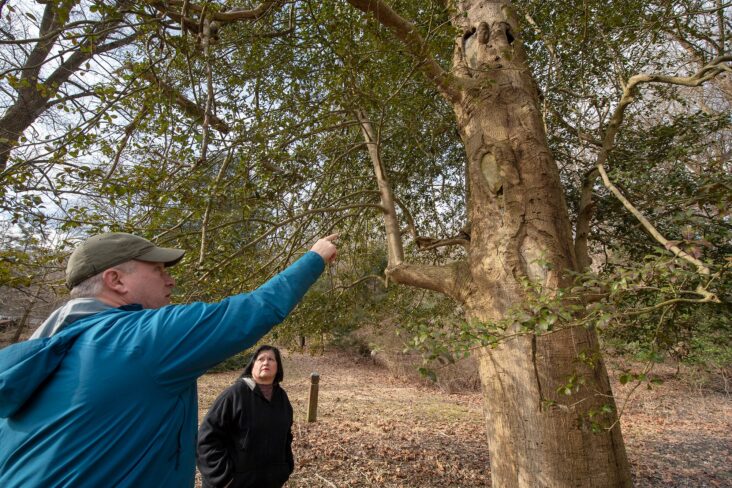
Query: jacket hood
pixel 25 366
pixel 74 310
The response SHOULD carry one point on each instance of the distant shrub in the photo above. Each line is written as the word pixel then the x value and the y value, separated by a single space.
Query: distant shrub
pixel 236 362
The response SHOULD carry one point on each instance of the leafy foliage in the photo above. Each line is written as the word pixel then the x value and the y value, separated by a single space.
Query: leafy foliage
pixel 292 165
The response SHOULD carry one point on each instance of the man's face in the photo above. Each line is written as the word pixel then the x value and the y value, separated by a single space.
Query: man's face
pixel 148 284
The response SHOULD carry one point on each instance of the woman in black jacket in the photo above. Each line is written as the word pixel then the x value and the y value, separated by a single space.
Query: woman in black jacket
pixel 245 440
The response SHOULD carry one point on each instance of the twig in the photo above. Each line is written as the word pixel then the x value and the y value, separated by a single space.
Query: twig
pixel 343 288
pixel 646 370
pixel 330 483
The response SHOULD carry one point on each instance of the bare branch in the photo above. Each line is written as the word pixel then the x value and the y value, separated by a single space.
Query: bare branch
pixel 182 221
pixel 706 297
pixel 343 288
pixel 583 136
pixel 209 205
pixel 125 139
pixel 240 13
pixel 282 223
pixel 408 216
pixel 206 41
pixel 706 73
pixel 648 226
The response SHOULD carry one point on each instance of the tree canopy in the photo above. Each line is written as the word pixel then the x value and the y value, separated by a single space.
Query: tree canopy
pixel 121 139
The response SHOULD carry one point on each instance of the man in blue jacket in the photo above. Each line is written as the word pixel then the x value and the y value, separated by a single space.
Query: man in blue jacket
pixel 104 393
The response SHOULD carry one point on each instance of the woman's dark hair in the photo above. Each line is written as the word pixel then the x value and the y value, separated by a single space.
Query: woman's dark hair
pixel 280 372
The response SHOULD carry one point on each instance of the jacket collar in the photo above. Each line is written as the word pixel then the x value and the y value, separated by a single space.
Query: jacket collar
pixel 75 309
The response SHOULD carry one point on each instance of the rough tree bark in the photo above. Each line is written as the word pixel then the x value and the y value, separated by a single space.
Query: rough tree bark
pixel 520 229
pixel 520 221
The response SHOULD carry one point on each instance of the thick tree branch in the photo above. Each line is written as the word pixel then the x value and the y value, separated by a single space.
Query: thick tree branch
pixel 50 29
pixel 429 244
pixel 584 217
pixel 231 15
pixel 48 36
pixel 71 65
pixel 442 279
pixel 415 44
pixel 189 107
pixel 393 236
pixel 721 22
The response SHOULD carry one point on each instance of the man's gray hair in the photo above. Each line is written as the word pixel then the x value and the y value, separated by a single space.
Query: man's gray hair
pixel 92 287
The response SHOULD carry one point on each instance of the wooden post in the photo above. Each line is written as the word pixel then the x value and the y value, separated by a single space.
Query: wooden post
pixel 313 398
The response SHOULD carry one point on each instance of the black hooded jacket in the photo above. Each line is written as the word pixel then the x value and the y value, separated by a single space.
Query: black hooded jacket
pixel 246 440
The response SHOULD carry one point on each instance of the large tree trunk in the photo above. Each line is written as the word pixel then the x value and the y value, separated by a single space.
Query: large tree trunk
pixel 520 232
pixel 520 229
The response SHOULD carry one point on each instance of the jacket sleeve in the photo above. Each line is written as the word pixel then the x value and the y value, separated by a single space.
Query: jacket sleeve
pixel 187 340
pixel 214 451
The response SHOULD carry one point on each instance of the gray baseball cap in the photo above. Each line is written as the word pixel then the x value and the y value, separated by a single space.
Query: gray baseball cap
pixel 104 251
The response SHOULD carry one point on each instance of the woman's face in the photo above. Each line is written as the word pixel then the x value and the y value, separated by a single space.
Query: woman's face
pixel 265 368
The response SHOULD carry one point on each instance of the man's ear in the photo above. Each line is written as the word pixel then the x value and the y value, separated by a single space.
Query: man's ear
pixel 112 279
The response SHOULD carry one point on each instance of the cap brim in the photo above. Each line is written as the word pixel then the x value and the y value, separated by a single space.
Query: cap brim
pixel 165 255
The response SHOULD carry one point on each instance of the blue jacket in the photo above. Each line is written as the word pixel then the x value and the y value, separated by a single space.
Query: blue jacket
pixel 111 399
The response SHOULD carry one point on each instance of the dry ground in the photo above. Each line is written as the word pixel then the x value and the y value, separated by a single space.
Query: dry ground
pixel 374 430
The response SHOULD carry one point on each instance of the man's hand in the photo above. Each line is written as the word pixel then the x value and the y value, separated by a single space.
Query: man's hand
pixel 326 248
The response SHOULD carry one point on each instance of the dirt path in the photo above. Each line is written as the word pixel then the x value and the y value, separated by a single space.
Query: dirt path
pixel 377 431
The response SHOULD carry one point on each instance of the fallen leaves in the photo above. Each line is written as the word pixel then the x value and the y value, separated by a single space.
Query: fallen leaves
pixel 374 430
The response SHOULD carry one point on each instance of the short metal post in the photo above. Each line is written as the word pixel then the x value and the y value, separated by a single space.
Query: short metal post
pixel 313 397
